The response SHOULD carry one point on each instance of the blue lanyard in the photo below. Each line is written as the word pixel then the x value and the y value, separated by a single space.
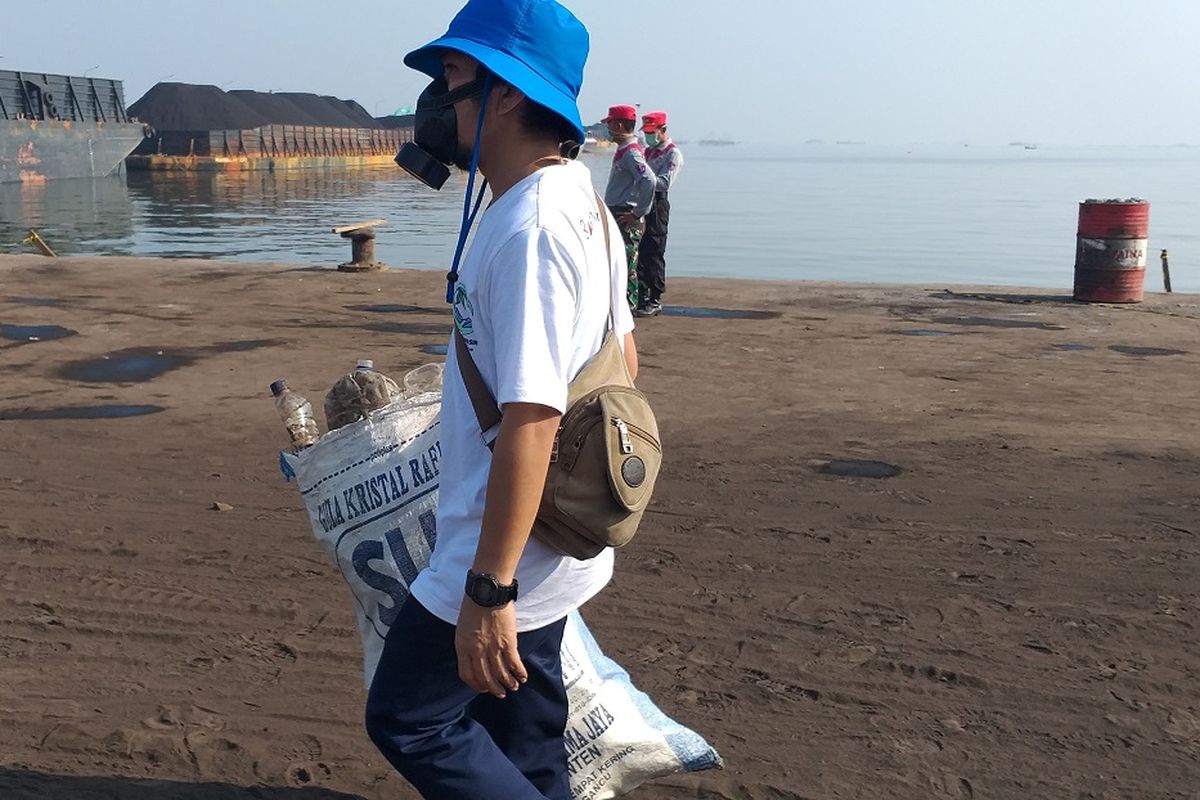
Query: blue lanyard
pixel 469 213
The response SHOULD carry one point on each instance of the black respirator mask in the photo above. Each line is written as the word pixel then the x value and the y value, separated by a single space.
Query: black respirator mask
pixel 435 136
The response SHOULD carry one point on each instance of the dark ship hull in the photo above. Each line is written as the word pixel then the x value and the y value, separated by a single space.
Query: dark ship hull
pixel 58 126
pixel 33 151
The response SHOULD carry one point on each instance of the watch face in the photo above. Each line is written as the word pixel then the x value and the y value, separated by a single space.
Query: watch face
pixel 485 592
pixel 488 592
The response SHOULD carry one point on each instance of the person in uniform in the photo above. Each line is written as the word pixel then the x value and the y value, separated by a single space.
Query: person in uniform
pixel 630 191
pixel 665 160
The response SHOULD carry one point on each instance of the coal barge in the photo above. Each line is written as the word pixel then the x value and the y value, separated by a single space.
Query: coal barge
pixel 62 126
pixel 204 128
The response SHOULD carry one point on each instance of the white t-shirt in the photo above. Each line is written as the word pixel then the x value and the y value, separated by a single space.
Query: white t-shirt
pixel 532 303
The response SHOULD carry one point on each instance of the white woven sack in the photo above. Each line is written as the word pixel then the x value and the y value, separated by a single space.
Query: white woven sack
pixel 371 491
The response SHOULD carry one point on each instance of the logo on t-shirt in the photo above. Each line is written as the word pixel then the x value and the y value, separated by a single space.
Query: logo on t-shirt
pixel 588 224
pixel 463 311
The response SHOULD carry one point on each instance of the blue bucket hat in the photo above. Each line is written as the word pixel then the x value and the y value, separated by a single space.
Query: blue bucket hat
pixel 537 46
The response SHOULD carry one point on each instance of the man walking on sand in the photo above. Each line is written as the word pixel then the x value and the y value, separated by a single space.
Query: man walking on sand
pixel 665 161
pixel 630 190
pixel 468 700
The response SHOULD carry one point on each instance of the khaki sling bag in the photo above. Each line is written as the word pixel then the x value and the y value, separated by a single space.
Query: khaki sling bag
pixel 606 454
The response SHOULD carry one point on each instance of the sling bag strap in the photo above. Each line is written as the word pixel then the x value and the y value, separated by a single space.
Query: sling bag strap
pixel 486 410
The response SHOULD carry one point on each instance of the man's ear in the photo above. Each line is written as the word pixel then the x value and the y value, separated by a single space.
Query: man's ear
pixel 508 99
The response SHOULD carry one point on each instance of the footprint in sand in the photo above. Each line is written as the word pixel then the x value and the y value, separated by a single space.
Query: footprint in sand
pixel 68 737
pixel 174 718
pixel 150 749
pixel 214 755
pixel 942 785
pixel 309 772
pixel 294 762
pixel 916 746
pixel 1184 726
pixel 930 673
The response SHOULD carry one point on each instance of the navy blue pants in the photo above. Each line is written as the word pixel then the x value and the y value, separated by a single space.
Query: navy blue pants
pixel 452 743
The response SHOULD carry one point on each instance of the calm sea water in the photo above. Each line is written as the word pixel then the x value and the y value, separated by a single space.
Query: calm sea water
pixel 976 215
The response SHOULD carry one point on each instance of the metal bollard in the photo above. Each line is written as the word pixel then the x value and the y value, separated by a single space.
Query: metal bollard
pixel 362 246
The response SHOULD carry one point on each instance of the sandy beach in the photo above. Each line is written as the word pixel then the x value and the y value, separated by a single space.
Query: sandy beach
pixel 1006 608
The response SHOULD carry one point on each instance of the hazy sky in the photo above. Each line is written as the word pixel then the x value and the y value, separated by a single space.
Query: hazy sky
pixel 884 71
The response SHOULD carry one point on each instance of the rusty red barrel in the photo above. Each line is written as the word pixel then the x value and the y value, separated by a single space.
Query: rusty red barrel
pixel 1110 253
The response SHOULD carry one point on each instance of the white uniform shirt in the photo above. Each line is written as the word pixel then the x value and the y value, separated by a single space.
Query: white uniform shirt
pixel 532 302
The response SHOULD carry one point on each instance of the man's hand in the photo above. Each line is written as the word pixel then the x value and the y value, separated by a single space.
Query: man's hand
pixel 486 643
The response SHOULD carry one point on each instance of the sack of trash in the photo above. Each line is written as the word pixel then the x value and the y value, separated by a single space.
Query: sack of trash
pixel 371 490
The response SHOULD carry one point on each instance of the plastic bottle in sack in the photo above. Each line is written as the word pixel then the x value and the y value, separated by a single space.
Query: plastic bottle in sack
pixel 297 416
pixel 425 378
pixel 358 393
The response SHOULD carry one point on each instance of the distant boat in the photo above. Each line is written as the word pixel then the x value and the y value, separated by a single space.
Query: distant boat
pixel 591 144
pixel 717 142
pixel 1031 147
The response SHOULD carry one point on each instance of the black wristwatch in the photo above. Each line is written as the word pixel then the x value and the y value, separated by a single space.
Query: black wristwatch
pixel 484 590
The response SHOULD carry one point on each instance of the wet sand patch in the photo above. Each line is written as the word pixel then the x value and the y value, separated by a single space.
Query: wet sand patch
pixel 135 365
pixel 1131 350
pixel 993 322
pixel 922 332
pixel 34 333
pixel 859 468
pixel 80 412
pixel 702 312
pixel 44 302
pixel 395 308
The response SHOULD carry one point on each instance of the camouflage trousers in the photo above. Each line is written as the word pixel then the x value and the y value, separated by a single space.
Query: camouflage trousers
pixel 631 233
